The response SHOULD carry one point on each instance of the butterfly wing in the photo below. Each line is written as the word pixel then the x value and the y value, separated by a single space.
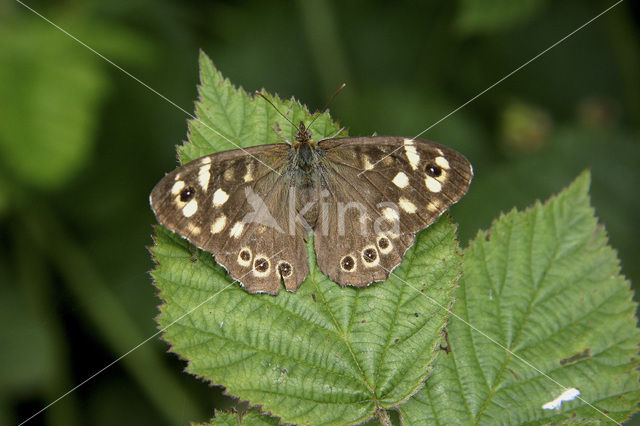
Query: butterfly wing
pixel 382 190
pixel 233 204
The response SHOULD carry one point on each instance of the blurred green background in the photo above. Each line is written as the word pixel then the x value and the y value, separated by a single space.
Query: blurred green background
pixel 82 144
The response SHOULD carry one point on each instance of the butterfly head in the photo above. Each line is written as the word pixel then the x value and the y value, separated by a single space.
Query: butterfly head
pixel 303 137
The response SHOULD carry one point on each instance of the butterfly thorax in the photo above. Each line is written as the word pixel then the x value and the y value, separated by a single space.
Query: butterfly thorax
pixel 305 150
pixel 305 166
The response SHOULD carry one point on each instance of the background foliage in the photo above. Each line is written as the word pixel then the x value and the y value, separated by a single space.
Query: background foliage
pixel 81 146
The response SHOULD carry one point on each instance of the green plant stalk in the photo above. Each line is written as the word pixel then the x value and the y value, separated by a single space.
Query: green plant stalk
pixel 35 281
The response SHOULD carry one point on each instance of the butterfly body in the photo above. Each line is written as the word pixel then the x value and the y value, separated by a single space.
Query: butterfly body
pixel 306 162
pixel 364 199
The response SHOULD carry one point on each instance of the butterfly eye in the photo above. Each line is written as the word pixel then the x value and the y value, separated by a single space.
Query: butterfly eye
pixel 433 170
pixel 187 194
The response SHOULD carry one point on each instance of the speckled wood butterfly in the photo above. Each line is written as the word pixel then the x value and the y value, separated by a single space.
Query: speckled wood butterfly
pixel 364 198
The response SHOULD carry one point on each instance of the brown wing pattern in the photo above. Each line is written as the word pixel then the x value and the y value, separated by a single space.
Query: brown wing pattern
pixel 234 206
pixel 382 190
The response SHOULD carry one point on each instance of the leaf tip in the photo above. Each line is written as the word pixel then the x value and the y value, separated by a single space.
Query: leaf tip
pixel 583 182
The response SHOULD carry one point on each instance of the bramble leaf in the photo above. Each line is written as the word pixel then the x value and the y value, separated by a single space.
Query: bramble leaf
pixel 251 417
pixel 549 311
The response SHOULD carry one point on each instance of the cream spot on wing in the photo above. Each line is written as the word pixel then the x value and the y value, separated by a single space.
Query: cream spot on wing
pixel 401 180
pixel 236 231
pixel 194 229
pixel 190 208
pixel 432 184
pixel 218 224
pixel 412 154
pixel 177 187
pixel 204 176
pixel 408 141
pixel 407 205
pixel 390 214
pixel 442 162
pixel 228 174
pixel 367 163
pixel 433 207
pixel 220 197
pixel 248 176
pixel 439 151
pixel 205 160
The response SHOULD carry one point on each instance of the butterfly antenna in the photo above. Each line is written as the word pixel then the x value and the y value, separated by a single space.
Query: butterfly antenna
pixel 276 108
pixel 318 113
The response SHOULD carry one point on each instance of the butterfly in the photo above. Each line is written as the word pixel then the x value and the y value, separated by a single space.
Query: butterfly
pixel 364 198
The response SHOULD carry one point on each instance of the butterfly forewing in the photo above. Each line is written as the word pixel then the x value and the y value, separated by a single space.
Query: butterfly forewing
pixel 233 204
pixel 382 191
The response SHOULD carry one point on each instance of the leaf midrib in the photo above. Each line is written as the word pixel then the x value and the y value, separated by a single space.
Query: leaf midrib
pixel 342 336
pixel 508 351
pixel 410 262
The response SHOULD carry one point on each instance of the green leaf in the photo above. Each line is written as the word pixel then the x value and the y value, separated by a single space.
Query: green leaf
pixel 324 354
pixel 477 16
pixel 251 417
pixel 48 101
pixel 542 286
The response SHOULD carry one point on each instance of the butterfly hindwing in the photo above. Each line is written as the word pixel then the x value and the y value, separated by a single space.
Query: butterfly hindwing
pixel 231 204
pixel 266 253
pixel 382 191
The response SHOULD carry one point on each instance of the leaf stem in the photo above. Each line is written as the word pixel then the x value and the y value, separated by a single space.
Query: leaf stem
pixel 383 417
